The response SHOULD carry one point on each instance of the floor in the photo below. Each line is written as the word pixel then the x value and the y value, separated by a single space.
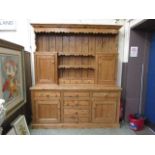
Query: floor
pixel 123 130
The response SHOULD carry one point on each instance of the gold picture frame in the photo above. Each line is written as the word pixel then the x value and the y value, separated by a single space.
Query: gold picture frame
pixel 12 76
pixel 11 132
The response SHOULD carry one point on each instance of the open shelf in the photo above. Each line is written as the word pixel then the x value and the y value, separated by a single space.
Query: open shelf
pixel 75 62
pixel 75 67
pixel 75 54
pixel 76 75
pixel 76 81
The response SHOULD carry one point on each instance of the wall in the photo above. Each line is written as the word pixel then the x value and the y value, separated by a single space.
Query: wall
pixel 20 36
pixel 137 69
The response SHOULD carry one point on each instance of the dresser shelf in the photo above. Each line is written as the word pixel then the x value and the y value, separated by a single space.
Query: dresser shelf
pixel 75 54
pixel 75 67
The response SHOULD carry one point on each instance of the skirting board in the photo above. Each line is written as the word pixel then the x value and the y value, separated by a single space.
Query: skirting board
pixel 72 125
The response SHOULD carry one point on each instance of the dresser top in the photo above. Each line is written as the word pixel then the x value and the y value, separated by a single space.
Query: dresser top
pixel 76 28
pixel 73 87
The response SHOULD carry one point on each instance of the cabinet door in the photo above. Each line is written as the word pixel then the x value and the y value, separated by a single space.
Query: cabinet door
pixel 46 67
pixel 47 111
pixel 104 111
pixel 106 68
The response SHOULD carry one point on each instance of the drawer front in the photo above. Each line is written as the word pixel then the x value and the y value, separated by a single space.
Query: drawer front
pixel 73 119
pixel 105 94
pixel 79 104
pixel 76 115
pixel 76 94
pixel 45 95
pixel 76 112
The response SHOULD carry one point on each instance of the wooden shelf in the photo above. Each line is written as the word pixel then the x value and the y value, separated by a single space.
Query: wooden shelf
pixel 75 54
pixel 67 53
pixel 75 67
pixel 76 81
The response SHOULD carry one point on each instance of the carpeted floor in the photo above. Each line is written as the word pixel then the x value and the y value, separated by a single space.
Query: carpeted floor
pixel 124 130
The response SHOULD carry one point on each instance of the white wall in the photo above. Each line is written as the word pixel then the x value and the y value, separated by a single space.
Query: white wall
pixel 20 35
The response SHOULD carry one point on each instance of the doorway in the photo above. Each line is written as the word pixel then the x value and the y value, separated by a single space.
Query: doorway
pixel 139 73
pixel 150 95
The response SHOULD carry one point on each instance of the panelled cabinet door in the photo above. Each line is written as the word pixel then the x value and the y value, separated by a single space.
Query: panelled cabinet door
pixel 106 68
pixel 47 111
pixel 104 111
pixel 46 67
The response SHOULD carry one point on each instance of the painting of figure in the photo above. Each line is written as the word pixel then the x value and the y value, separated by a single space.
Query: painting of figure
pixel 11 77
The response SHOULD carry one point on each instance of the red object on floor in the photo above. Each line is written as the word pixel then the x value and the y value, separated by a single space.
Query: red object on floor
pixel 136 124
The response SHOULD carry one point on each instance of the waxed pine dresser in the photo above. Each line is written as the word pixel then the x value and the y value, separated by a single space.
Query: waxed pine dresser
pixel 75 76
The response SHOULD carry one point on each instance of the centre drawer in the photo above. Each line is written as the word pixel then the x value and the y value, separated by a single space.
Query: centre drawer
pixel 76 116
pixel 75 112
pixel 76 94
pixel 80 104
pixel 45 95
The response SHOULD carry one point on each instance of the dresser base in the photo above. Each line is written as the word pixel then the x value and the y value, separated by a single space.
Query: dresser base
pixel 72 125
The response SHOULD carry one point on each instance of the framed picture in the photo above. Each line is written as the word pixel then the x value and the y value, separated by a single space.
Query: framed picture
pixel 1 130
pixel 11 132
pixel 20 126
pixel 12 79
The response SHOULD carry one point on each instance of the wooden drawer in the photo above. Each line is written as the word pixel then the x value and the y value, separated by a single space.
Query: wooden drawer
pixel 76 94
pixel 46 94
pixel 71 119
pixel 76 112
pixel 76 115
pixel 83 119
pixel 80 104
pixel 105 94
pixel 76 119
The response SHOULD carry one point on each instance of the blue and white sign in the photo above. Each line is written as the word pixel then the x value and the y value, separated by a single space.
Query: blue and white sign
pixel 7 25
